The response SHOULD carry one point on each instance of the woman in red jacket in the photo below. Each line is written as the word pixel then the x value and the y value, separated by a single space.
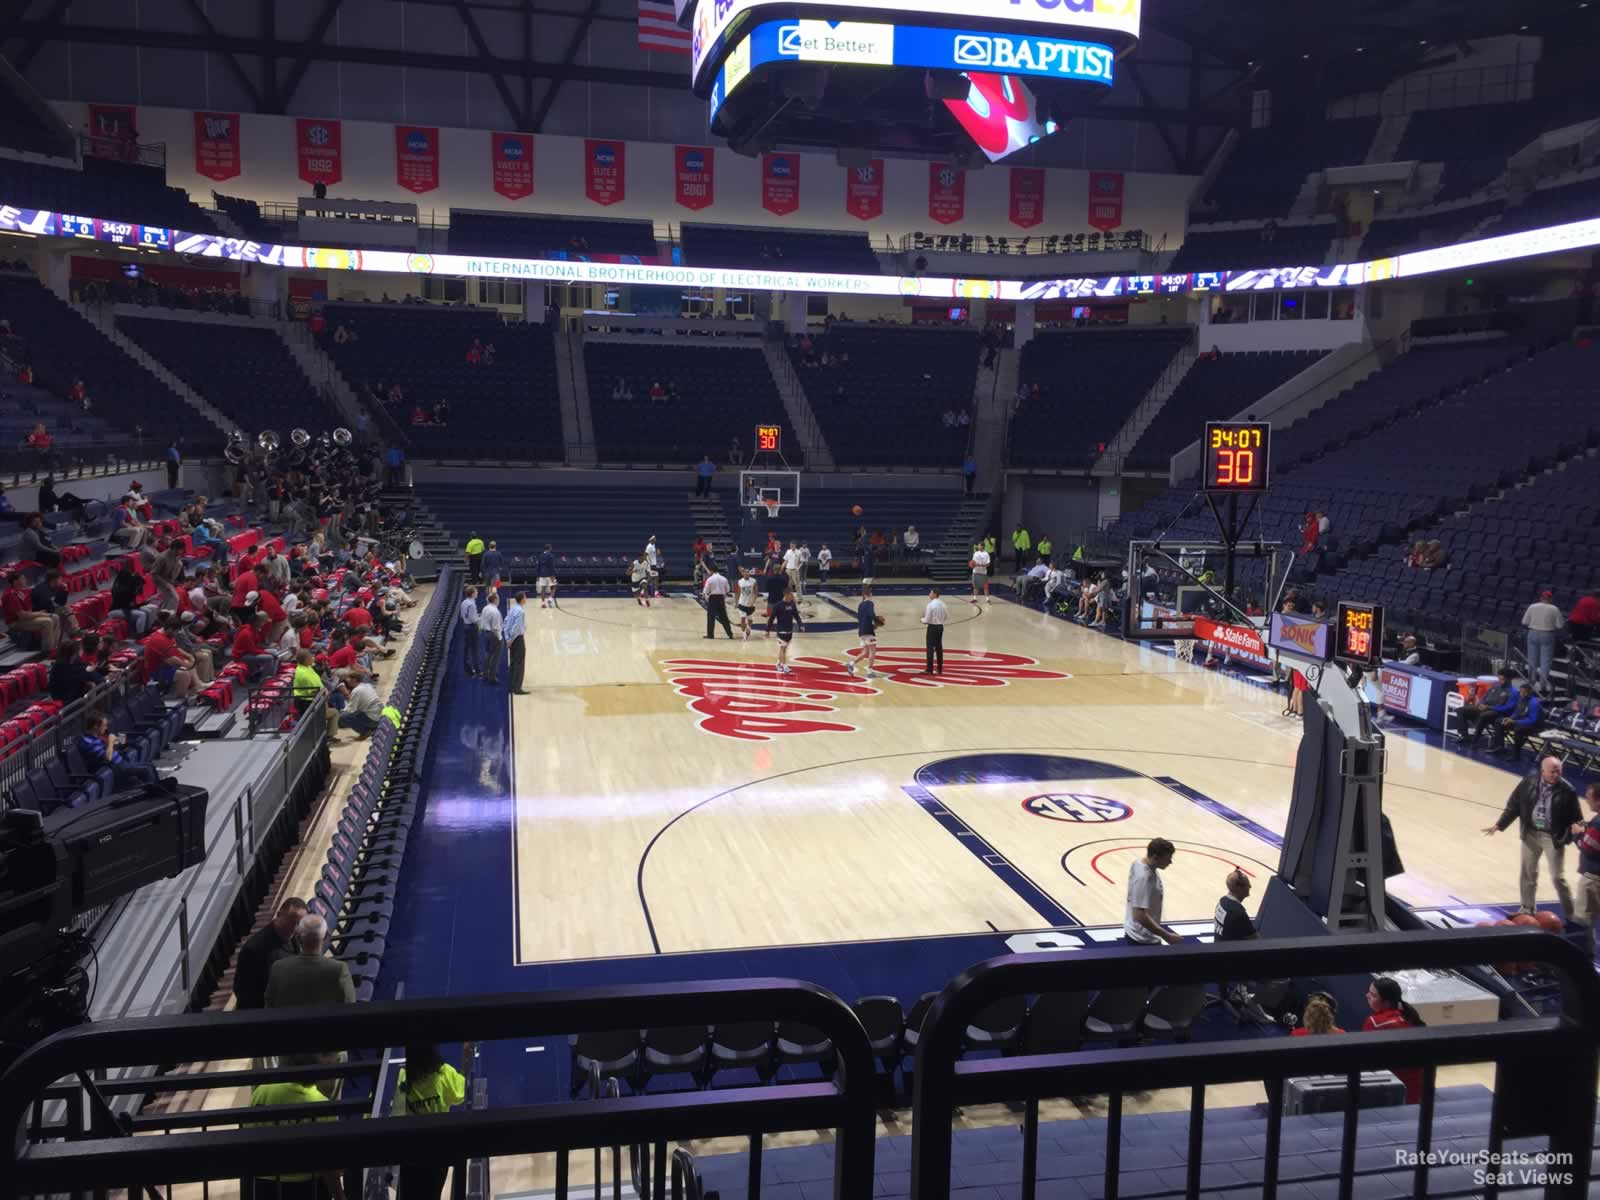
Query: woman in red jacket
pixel 1390 1011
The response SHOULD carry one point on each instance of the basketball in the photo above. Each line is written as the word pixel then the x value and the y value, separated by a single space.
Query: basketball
pixel 1549 922
pixel 855 510
pixel 1527 920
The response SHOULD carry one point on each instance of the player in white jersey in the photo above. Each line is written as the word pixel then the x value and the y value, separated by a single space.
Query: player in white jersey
pixel 980 572
pixel 824 564
pixel 746 601
pixel 639 574
pixel 652 560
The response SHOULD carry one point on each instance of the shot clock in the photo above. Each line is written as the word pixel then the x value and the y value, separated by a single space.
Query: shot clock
pixel 1358 634
pixel 1235 456
pixel 769 439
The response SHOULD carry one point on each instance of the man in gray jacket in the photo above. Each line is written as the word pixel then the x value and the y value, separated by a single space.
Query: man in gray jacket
pixel 1546 806
pixel 309 977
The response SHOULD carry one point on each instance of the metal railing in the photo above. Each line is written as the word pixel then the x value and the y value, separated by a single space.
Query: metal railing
pixel 1545 1066
pixel 845 1103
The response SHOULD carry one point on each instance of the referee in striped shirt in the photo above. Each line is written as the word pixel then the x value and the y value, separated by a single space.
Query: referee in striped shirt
pixel 934 617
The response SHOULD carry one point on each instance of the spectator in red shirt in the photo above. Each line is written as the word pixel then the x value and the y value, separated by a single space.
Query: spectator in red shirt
pixel 16 607
pixel 246 589
pixel 345 663
pixel 39 439
pixel 248 648
pixel 358 618
pixel 167 665
pixel 1390 1011
pixel 1585 617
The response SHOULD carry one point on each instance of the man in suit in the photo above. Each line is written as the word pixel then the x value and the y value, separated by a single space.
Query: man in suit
pixel 309 977
pixel 262 949
pixel 1546 807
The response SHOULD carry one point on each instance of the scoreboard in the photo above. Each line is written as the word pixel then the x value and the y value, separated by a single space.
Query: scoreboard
pixel 769 439
pixel 1235 456
pixel 1358 634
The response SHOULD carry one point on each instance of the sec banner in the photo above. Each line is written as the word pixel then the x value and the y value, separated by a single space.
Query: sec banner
pixel 216 145
pixel 1105 199
pixel 780 183
pixel 605 171
pixel 947 193
pixel 416 157
pixel 511 164
pixel 318 145
pixel 1027 196
pixel 863 190
pixel 694 175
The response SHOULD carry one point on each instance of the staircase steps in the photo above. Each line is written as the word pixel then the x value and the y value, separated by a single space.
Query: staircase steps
pixel 950 559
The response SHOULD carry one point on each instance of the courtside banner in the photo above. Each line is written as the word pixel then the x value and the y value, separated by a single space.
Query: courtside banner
pixel 1027 196
pixel 605 171
pixel 780 183
pixel 694 176
pixel 318 147
pixel 947 193
pixel 863 190
pixel 216 145
pixel 416 157
pixel 44 223
pixel 1242 643
pixel 511 164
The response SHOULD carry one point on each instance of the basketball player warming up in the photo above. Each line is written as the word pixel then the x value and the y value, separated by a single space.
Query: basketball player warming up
pixel 787 615
pixel 746 601
pixel 640 575
pixel 869 624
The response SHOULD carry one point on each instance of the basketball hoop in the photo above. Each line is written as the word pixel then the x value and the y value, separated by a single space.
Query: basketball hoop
pixel 772 508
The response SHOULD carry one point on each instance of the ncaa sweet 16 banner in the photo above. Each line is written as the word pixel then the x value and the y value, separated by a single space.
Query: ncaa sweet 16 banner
pixel 511 163
pixel 694 176
pixel 318 145
pixel 605 179
pixel 1027 196
pixel 947 193
pixel 1105 199
pixel 780 183
pixel 216 145
pixel 863 190
pixel 416 157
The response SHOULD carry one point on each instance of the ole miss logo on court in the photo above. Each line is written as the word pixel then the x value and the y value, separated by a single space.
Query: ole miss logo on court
pixel 754 702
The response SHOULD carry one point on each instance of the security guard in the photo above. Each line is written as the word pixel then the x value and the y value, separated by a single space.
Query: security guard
pixel 474 552
pixel 307 683
pixel 1021 543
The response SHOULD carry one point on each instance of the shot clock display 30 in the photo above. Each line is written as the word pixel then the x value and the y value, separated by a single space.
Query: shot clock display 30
pixel 769 439
pixel 1358 634
pixel 1236 454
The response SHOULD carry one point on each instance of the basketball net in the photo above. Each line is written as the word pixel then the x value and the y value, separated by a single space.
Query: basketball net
pixel 772 509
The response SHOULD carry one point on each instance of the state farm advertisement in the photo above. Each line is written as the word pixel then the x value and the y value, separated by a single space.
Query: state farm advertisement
pixel 1245 645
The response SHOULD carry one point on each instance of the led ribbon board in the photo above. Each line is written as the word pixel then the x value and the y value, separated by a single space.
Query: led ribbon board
pixel 1531 243
pixel 863 43
pixel 716 23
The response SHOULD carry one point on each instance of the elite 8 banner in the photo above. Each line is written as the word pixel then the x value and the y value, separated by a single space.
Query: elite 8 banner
pixel 511 164
pixel 863 190
pixel 780 183
pixel 318 146
pixel 947 193
pixel 605 178
pixel 216 145
pixel 1027 196
pixel 695 176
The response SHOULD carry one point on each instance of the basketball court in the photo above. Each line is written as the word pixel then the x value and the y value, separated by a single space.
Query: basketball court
pixel 675 796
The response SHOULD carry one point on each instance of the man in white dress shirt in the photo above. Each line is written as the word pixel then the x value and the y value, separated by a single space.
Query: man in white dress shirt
pixel 715 591
pixel 469 635
pixel 492 623
pixel 934 617
pixel 791 568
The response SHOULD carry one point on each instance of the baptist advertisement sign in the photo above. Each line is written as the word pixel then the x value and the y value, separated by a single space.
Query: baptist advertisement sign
pixel 714 20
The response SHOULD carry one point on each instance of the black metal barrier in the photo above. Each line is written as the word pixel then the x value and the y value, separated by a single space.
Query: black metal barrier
pixel 844 1104
pixel 1545 1067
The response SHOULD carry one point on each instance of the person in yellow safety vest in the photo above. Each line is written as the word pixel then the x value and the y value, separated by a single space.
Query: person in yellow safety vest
pixel 391 714
pixel 1021 543
pixel 428 1084
pixel 474 553
pixel 307 683
pixel 1045 547
pixel 272 1094
pixel 1077 555
pixel 988 546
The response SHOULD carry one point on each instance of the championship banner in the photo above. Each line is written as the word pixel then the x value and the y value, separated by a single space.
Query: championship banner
pixel 1241 643
pixel 416 157
pixel 216 145
pixel 863 190
pixel 947 193
pixel 694 170
pixel 780 183
pixel 1027 196
pixel 511 164
pixel 318 145
pixel 1105 199
pixel 113 132
pixel 605 175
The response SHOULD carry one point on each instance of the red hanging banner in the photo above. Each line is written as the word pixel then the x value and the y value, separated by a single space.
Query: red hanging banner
pixel 216 145
pixel 511 164
pixel 416 157
pixel 1027 196
pixel 780 183
pixel 1105 199
pixel 113 132
pixel 318 145
pixel 863 190
pixel 605 179
pixel 947 193
pixel 695 176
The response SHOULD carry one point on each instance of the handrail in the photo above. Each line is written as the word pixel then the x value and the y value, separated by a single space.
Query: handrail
pixel 844 1103
pixel 1563 1046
